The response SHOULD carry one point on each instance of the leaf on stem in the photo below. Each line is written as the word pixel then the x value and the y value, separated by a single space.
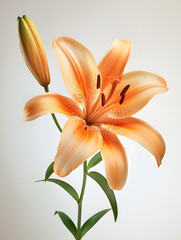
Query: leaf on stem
pixel 67 187
pixel 67 222
pixel 49 171
pixel 95 160
pixel 92 221
pixel 101 180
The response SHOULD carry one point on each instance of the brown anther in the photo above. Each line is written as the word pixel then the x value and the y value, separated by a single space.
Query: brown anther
pixel 125 89
pixel 122 99
pixel 85 128
pixel 98 81
pixel 103 99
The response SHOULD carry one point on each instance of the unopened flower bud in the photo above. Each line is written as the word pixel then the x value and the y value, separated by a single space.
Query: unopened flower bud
pixel 33 51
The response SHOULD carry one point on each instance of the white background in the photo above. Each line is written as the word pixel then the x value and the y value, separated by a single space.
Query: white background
pixel 149 204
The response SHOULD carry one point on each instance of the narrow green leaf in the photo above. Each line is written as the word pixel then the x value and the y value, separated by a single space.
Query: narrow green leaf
pixel 92 221
pixel 95 160
pixel 67 187
pixel 49 171
pixel 101 180
pixel 67 222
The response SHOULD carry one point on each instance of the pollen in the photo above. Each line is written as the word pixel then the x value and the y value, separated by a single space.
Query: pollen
pixel 103 99
pixel 98 81
pixel 122 99
pixel 125 89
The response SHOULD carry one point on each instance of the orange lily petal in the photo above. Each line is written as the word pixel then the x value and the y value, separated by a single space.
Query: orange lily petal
pixel 78 142
pixel 50 103
pixel 115 60
pixel 141 132
pixel 143 87
pixel 115 160
pixel 79 70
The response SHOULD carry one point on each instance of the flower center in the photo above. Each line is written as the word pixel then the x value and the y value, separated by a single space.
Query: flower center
pixel 114 84
pixel 105 101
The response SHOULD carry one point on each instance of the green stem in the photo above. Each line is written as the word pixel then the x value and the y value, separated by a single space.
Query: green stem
pixel 80 201
pixel 53 114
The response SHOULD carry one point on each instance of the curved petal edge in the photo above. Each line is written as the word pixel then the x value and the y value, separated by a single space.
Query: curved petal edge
pixel 50 103
pixel 141 132
pixel 115 160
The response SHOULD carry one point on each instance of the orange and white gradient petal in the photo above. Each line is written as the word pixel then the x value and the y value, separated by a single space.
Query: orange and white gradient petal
pixel 139 80
pixel 140 132
pixel 143 86
pixel 78 142
pixel 79 70
pixel 114 62
pixel 50 103
pixel 115 160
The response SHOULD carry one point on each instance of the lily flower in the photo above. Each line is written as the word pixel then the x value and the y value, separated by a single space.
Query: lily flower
pixel 33 51
pixel 108 99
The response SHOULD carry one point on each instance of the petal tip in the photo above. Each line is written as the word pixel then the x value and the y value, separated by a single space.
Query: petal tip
pixel 54 43
pixel 159 159
pixel 55 170
pixel 123 41
pixel 119 185
pixel 159 163
pixel 25 118
pixel 118 188
pixel 59 172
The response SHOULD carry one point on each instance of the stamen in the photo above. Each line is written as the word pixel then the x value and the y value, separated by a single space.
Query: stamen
pixel 98 81
pixel 122 99
pixel 103 100
pixel 125 89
